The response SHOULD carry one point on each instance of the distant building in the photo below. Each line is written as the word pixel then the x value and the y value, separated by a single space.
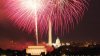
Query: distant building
pixel 68 44
pixel 36 50
pixel 57 43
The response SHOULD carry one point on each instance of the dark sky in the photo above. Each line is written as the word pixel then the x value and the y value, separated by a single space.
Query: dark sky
pixel 87 29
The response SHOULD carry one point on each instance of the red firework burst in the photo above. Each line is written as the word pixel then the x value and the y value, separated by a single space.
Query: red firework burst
pixel 61 13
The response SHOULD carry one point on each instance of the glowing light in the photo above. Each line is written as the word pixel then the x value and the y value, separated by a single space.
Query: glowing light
pixel 32 4
pixel 36 50
pixel 67 44
pixel 26 14
pixel 36 27
pixel 57 43
pixel 50 34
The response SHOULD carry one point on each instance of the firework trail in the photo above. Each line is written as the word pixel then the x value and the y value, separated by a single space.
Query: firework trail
pixel 61 13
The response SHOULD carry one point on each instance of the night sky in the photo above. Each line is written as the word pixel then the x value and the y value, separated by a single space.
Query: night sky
pixel 87 29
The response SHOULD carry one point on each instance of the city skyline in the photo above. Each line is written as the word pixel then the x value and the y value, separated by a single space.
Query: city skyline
pixel 87 29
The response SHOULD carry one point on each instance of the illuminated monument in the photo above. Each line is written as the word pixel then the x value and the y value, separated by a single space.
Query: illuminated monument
pixel 36 50
pixel 50 34
pixel 57 43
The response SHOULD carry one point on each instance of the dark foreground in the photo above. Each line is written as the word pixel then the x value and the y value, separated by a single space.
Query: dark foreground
pixel 61 51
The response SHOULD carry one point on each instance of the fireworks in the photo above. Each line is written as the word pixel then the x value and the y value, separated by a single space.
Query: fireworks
pixel 34 15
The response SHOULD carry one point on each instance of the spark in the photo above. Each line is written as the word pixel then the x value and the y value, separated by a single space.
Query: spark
pixel 34 15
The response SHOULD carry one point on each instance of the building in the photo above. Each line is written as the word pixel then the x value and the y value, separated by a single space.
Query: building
pixel 57 43
pixel 36 50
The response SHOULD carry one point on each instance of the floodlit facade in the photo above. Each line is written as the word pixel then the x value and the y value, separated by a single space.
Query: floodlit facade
pixel 36 50
pixel 57 43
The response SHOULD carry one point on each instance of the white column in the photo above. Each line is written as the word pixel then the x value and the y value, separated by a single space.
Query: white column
pixel 50 34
